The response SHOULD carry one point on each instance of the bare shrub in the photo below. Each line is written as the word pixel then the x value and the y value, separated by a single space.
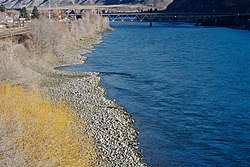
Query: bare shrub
pixel 2 16
pixel 15 64
pixel 44 37
pixel 47 39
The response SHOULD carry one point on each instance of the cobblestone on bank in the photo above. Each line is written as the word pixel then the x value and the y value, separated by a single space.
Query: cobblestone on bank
pixel 111 126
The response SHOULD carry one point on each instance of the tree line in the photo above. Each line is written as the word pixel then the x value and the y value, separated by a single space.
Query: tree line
pixel 23 12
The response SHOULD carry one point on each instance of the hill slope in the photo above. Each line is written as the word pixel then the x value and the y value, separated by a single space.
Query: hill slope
pixel 199 6
pixel 41 3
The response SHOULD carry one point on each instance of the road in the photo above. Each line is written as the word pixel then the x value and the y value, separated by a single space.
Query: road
pixel 8 32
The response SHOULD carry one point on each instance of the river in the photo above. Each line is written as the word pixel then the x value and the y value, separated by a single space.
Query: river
pixel 187 87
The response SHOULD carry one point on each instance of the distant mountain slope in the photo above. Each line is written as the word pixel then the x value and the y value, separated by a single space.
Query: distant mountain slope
pixel 158 3
pixel 209 6
pixel 41 3
pixel 30 3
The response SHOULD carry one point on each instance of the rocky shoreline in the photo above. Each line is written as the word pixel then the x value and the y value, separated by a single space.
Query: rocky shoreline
pixel 109 124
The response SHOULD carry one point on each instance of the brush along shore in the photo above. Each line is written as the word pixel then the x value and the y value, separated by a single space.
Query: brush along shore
pixel 53 44
pixel 111 126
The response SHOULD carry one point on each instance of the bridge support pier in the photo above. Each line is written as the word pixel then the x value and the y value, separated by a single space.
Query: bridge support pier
pixel 197 24
pixel 215 21
pixel 237 18
pixel 150 24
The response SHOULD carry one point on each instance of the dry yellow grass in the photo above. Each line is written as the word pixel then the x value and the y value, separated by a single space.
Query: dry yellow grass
pixel 33 132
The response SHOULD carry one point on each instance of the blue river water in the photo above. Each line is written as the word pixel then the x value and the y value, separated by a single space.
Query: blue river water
pixel 188 88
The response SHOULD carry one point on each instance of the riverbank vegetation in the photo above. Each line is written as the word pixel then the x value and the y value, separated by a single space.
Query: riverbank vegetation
pixel 53 38
pixel 33 131
pixel 36 133
pixel 45 45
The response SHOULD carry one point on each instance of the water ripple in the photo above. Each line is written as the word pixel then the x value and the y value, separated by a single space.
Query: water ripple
pixel 187 87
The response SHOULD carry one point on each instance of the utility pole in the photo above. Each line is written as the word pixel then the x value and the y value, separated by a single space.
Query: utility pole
pixel 49 11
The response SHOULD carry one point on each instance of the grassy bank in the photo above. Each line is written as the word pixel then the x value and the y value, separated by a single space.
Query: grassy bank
pixel 35 132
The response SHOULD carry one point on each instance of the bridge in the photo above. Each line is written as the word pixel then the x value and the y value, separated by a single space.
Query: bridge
pixel 176 17
pixel 164 16
pixel 223 19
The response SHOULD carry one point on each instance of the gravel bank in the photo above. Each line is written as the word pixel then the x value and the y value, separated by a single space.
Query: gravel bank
pixel 111 126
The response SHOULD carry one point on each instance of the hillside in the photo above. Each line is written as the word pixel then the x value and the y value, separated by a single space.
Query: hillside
pixel 44 3
pixel 199 6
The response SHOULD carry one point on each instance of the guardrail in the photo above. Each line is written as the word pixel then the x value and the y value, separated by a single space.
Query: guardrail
pixel 9 32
